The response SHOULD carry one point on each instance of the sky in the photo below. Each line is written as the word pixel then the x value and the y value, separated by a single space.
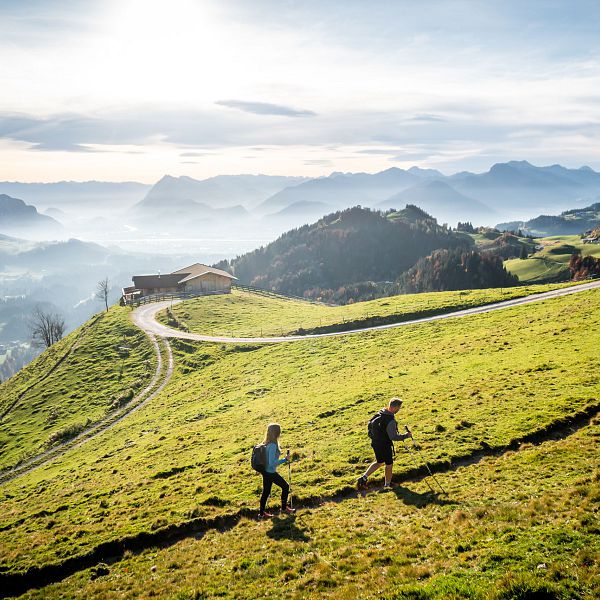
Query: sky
pixel 131 90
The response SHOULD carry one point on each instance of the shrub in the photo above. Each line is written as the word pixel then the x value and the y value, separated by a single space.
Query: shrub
pixel 66 433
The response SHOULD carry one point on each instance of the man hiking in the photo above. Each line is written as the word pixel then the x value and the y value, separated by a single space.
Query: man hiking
pixel 383 431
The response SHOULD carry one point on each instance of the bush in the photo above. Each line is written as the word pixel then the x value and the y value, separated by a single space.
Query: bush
pixel 67 433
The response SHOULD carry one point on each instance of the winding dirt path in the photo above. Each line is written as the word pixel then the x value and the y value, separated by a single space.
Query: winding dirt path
pixel 145 318
pixel 162 375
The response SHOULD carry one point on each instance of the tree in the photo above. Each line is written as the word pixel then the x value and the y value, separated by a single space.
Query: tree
pixel 523 254
pixel 102 289
pixel 46 328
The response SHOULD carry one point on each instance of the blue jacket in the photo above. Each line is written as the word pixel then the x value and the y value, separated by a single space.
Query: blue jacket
pixel 273 458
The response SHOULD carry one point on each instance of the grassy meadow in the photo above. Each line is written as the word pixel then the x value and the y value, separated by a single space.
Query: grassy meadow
pixel 552 261
pixel 244 314
pixel 73 384
pixel 498 534
pixel 469 384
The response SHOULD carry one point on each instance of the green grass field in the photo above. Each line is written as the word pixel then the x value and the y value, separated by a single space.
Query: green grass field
pixel 552 262
pixel 244 314
pixel 519 524
pixel 72 384
pixel 469 384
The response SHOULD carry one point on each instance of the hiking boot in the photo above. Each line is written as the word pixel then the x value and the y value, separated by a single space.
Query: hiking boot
pixel 288 510
pixel 361 482
pixel 265 515
pixel 387 487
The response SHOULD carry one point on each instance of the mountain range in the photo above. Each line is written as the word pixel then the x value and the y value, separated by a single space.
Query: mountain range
pixel 76 195
pixel 262 206
pixel 18 218
pixel 569 222
pixel 516 187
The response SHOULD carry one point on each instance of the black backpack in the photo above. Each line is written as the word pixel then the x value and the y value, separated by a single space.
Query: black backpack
pixel 259 458
pixel 377 427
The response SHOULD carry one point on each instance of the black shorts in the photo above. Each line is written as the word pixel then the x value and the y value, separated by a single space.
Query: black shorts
pixel 384 453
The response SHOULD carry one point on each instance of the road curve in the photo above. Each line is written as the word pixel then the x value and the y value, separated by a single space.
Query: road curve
pixel 145 318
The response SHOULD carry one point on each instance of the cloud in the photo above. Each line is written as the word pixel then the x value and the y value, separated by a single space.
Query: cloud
pixel 319 162
pixel 426 117
pixel 193 154
pixel 265 108
pixel 472 143
pixel 376 151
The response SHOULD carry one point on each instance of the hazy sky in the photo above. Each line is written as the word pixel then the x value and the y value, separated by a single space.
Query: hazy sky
pixel 134 89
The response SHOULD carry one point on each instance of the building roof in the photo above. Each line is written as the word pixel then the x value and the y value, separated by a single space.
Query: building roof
pixel 177 277
pixel 156 281
pixel 198 269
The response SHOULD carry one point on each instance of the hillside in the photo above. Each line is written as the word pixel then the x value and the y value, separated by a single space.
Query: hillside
pixel 551 261
pixel 569 222
pixel 161 504
pixel 342 248
pixel 249 314
pixel 16 218
pixel 74 383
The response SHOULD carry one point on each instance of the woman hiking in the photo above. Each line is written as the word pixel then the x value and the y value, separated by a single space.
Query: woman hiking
pixel 270 475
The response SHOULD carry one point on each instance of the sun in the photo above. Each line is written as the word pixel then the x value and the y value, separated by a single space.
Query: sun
pixel 157 51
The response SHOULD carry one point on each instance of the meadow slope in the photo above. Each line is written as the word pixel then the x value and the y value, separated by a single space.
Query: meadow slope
pixel 470 384
pixel 73 385
pixel 551 263
pixel 245 314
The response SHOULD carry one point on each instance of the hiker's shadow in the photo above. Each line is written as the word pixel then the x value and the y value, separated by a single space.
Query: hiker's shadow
pixel 285 528
pixel 411 498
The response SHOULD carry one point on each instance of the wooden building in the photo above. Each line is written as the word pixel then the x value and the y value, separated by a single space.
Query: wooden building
pixel 196 279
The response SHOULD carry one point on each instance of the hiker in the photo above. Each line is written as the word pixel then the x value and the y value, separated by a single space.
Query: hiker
pixel 383 431
pixel 270 475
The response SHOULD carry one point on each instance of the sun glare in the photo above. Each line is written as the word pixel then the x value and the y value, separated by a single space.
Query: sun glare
pixel 166 51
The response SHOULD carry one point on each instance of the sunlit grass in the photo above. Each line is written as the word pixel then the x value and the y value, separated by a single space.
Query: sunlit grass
pixel 485 379
pixel 523 522
pixel 552 261
pixel 93 377
pixel 243 314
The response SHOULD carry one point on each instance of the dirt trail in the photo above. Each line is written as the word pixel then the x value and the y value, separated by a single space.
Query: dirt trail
pixel 162 375
pixel 51 370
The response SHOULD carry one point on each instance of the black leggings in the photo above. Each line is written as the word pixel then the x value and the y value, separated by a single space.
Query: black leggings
pixel 268 480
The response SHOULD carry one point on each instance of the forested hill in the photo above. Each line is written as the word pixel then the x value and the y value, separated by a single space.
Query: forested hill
pixel 569 222
pixel 345 247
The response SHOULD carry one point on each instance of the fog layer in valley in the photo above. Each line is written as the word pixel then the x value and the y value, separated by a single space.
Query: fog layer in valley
pixel 57 240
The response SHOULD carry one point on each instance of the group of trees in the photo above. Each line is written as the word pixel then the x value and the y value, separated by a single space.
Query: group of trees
pixel 456 269
pixel 582 267
pixel 347 247
pixel 467 227
pixel 49 327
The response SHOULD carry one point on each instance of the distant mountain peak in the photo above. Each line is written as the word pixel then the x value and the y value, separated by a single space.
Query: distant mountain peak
pixel 425 172
pixel 392 170
pixel 518 163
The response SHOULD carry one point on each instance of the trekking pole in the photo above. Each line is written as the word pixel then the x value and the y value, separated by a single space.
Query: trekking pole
pixel 424 461
pixel 414 462
pixel 290 478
